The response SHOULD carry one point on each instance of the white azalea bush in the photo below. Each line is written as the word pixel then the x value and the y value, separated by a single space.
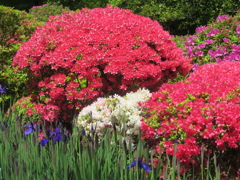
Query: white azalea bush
pixel 124 112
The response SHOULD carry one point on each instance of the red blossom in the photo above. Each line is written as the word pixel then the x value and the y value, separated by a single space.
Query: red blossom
pixel 79 56
pixel 203 109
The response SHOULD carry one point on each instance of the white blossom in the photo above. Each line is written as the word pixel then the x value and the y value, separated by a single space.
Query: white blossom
pixel 124 112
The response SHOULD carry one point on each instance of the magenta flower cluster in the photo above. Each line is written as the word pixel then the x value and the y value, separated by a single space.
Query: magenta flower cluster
pixel 220 41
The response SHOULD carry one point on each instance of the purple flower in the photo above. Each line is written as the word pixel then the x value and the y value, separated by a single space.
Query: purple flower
pixel 30 128
pixel 199 53
pixel 218 59
pixel 213 32
pixel 140 165
pixel 236 48
pixel 221 18
pixel 56 135
pixel 226 40
pixel 44 141
pixel 200 46
pixel 201 29
pixel 190 41
pixel 83 132
pixel 34 7
pixel 2 89
pixel 233 56
pixel 209 41
pixel 195 66
pixel 238 29
pixel 221 51
pixel 5 125
pixel 211 53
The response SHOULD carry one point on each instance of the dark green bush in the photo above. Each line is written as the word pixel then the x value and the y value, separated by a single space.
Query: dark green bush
pixel 180 17
pixel 15 28
pixel 43 12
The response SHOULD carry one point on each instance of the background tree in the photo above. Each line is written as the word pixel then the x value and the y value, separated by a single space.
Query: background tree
pixel 180 17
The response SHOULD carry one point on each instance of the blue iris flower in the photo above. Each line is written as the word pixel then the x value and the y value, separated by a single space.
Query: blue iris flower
pixel 44 141
pixel 30 128
pixel 140 165
pixel 55 135
pixel 2 89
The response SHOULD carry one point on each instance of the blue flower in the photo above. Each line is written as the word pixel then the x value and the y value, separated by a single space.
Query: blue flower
pixel 55 135
pixel 140 165
pixel 44 141
pixel 30 128
pixel 83 132
pixel 2 89
pixel 4 126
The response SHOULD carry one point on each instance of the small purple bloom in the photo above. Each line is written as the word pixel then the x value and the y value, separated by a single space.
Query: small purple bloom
pixel 233 56
pixel 190 41
pixel 44 141
pixel 238 29
pixel 213 32
pixel 2 89
pixel 30 128
pixel 4 126
pixel 236 48
pixel 55 135
pixel 220 51
pixel 209 41
pixel 140 165
pixel 195 66
pixel 34 7
pixel 199 53
pixel 190 53
pixel 220 18
pixel 218 59
pixel 201 29
pixel 211 53
pixel 200 46
pixel 83 132
pixel 226 40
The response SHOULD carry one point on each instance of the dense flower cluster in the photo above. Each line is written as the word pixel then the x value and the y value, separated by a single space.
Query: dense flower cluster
pixel 217 42
pixel 122 113
pixel 77 57
pixel 200 113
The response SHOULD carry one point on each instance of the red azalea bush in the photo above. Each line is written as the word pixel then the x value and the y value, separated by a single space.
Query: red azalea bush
pixel 79 56
pixel 201 113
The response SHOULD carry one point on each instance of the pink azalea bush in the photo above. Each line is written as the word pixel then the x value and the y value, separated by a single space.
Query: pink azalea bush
pixel 219 41
pixel 77 57
pixel 201 113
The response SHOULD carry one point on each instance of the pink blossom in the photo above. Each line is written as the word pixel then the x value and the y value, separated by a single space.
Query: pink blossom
pixel 209 41
pixel 213 32
pixel 199 53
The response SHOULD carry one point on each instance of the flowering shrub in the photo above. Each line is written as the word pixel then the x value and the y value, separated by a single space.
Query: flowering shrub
pixel 77 57
pixel 216 42
pixel 124 112
pixel 26 110
pixel 200 113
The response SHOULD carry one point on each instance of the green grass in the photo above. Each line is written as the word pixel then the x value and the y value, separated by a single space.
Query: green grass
pixel 81 157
